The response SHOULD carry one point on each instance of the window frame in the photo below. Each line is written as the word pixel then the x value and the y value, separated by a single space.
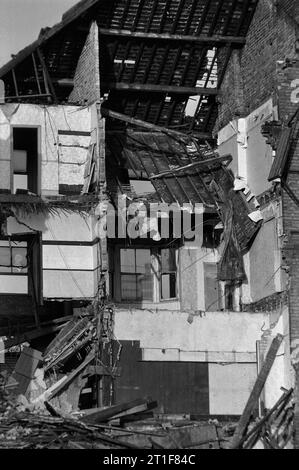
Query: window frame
pixel 155 253
pixel 136 273
pixel 11 269
pixel 161 273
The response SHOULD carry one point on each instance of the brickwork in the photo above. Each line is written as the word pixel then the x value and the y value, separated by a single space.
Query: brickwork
pixel 87 77
pixel 251 75
pixel 288 102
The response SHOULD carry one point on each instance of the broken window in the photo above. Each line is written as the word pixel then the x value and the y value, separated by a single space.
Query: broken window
pixel 13 257
pixel 136 274
pixel 25 159
pixel 168 274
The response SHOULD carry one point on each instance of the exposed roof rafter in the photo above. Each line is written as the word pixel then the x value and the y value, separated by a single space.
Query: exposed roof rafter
pixel 214 40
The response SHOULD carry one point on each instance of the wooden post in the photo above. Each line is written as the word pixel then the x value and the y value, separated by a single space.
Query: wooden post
pixel 47 79
pixel 256 391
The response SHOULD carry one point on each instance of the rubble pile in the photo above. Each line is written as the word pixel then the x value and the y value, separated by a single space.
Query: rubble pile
pixel 39 405
pixel 23 425
pixel 275 429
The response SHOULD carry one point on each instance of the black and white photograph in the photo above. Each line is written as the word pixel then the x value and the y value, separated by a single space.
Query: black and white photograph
pixel 149 228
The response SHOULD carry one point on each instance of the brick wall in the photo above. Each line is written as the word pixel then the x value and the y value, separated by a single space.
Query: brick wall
pixel 288 102
pixel 87 77
pixel 251 75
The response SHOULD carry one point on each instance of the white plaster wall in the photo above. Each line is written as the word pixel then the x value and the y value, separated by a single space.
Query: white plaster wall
pixel 69 284
pixel 13 284
pixel 191 272
pixel 259 154
pixel 69 271
pixel 50 119
pixel 69 257
pixel 252 157
pixel 282 372
pixel 230 386
pixel 223 335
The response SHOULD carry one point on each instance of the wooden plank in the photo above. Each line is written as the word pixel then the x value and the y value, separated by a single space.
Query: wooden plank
pixel 36 73
pixel 101 415
pixel 147 125
pixel 278 405
pixel 256 391
pixel 25 369
pixel 47 78
pixel 15 81
pixel 37 333
pixel 20 97
pixel 68 379
pixel 137 410
pixel 213 40
pixel 147 87
pixel 203 163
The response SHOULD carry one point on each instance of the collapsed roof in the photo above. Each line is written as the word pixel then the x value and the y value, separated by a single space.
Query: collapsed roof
pixel 161 65
pixel 154 56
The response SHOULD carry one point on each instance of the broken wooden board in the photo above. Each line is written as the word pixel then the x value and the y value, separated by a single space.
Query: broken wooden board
pixel 101 415
pixel 25 369
pixel 203 436
pixel 256 391
pixel 137 410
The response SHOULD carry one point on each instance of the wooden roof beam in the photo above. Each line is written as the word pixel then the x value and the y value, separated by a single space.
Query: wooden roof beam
pixel 205 40
pixel 147 125
pixel 148 87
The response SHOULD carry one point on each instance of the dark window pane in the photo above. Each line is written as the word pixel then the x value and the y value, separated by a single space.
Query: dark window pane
pixel 168 286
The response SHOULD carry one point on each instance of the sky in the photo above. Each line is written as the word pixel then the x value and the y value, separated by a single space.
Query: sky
pixel 22 20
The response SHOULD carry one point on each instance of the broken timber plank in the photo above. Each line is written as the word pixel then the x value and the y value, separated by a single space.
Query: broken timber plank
pixel 203 163
pixel 147 125
pixel 72 375
pixel 280 403
pixel 101 415
pixel 45 329
pixel 255 393
pixel 137 410
pixel 149 88
pixel 206 40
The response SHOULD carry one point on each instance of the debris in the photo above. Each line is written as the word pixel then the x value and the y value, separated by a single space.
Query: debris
pixel 256 391
pixel 117 411
pixel 256 216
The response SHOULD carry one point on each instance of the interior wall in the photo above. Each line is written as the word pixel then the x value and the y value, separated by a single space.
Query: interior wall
pixel 70 255
pixel 50 120
pixel 169 335
pixel 230 386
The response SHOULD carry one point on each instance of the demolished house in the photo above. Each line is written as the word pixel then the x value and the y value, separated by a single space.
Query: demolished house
pixel 108 125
